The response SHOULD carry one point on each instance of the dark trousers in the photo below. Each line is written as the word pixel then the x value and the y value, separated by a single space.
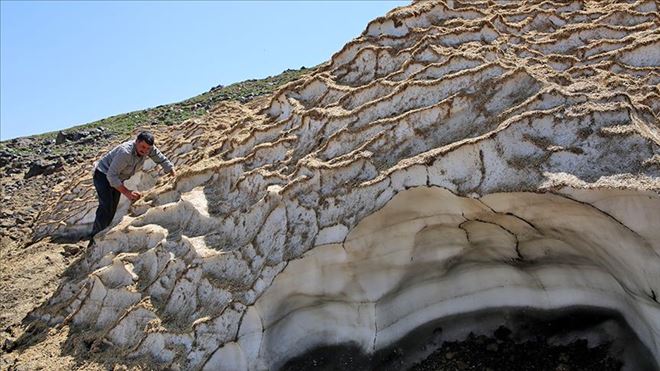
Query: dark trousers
pixel 108 200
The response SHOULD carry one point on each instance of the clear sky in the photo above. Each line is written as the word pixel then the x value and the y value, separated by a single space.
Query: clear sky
pixel 66 63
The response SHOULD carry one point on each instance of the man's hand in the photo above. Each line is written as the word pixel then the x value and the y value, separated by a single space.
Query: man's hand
pixel 173 173
pixel 133 195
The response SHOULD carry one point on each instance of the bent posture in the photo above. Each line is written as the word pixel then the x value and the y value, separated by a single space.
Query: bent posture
pixel 118 165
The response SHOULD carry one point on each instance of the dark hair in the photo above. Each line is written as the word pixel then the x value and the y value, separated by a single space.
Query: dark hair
pixel 147 137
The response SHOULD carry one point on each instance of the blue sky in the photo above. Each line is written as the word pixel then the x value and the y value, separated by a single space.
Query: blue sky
pixel 69 63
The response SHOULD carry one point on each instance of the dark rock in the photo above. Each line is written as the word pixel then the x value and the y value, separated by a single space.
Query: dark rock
pixel 6 158
pixel 45 168
pixel 9 330
pixel 87 140
pixel 75 136
pixel 70 250
pixel 217 87
pixel 60 138
pixel 20 142
pixel 8 345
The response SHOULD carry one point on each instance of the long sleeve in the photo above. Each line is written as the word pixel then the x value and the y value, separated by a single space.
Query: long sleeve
pixel 119 162
pixel 161 159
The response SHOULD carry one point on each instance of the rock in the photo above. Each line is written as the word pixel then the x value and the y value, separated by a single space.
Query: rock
pixel 6 158
pixel 70 250
pixel 44 168
pixel 217 87
pixel 8 345
pixel 77 135
pixel 87 140
pixel 61 138
pixel 80 136
pixel 21 142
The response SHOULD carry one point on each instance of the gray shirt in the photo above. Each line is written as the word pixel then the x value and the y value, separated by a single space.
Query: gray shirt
pixel 123 161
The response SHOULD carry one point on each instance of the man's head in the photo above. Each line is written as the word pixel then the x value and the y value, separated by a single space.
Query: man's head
pixel 143 143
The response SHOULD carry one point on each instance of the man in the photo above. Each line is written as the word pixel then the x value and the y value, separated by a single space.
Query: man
pixel 118 165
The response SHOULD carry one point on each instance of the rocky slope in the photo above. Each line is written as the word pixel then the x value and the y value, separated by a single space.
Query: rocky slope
pixel 458 158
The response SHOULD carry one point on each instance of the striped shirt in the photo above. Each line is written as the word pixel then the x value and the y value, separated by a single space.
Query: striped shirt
pixel 123 161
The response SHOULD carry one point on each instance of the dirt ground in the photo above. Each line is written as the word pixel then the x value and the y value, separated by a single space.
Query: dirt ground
pixel 30 274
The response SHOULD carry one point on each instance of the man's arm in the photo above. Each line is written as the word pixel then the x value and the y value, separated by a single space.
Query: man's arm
pixel 131 195
pixel 118 163
pixel 162 160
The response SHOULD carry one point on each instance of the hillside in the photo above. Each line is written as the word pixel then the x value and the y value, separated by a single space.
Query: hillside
pixel 24 160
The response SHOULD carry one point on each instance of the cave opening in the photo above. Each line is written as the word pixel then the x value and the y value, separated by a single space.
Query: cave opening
pixel 577 338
